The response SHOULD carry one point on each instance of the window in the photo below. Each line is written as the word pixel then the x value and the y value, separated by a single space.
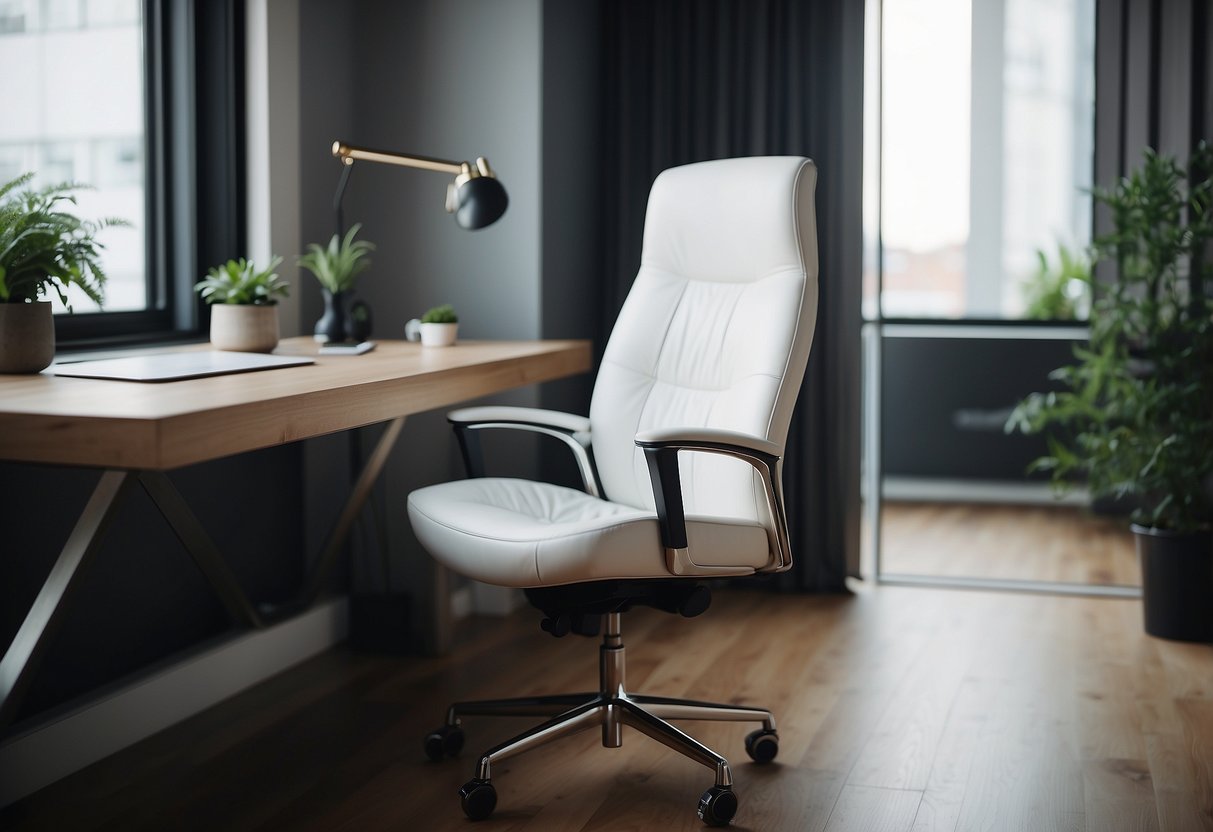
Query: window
pixel 151 126
pixel 12 16
pixel 986 113
pixel 67 119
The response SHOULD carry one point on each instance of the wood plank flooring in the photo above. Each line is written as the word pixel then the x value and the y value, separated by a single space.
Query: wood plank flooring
pixel 1026 543
pixel 899 709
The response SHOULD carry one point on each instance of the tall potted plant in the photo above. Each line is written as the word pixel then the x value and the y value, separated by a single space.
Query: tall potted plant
pixel 1136 417
pixel 337 267
pixel 44 247
pixel 244 304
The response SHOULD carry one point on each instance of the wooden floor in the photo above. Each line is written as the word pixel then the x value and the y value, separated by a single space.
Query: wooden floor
pixel 899 709
pixel 1063 544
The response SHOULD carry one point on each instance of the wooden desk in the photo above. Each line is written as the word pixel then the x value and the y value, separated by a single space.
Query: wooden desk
pixel 136 431
pixel 161 426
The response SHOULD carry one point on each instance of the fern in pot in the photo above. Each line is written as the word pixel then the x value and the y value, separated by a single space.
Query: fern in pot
pixel 244 304
pixel 1135 419
pixel 337 266
pixel 44 248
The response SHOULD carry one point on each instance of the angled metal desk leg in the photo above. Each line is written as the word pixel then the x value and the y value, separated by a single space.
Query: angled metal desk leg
pixel 27 648
pixel 200 546
pixel 349 513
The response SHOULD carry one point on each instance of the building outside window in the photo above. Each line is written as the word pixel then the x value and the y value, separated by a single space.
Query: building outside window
pixel 79 114
pixel 987 135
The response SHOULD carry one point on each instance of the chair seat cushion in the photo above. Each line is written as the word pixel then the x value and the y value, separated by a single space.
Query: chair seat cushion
pixel 521 533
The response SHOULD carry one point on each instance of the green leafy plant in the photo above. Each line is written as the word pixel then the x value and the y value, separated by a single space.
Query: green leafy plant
pixel 1136 415
pixel 241 282
pixel 44 246
pixel 444 314
pixel 337 265
pixel 1061 292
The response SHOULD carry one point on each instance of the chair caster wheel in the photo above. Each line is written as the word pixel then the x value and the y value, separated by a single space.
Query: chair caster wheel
pixel 762 745
pixel 717 806
pixel 447 741
pixel 478 799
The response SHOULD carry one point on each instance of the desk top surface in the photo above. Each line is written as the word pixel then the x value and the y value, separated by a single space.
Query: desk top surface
pixel 158 426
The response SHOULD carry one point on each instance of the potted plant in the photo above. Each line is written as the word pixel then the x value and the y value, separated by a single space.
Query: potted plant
pixel 44 247
pixel 244 304
pixel 337 266
pixel 1136 417
pixel 439 326
pixel 1061 292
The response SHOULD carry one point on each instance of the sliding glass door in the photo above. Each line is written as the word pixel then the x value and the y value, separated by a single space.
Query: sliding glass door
pixel 978 165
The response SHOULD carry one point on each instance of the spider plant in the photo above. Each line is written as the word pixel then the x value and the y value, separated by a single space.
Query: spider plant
pixel 337 265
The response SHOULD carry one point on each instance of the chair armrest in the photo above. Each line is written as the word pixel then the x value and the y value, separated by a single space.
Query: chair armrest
pixel 661 448
pixel 520 416
pixel 572 430
pixel 704 437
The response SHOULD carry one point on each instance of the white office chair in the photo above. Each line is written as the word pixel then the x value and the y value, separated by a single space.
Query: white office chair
pixel 707 356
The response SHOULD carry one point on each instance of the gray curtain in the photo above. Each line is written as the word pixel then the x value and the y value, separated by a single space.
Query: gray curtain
pixel 1153 85
pixel 691 80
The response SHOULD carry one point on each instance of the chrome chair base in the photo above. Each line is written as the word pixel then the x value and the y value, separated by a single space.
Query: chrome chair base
pixel 611 707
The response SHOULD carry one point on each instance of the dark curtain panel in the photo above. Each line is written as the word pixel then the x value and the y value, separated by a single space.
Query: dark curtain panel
pixel 691 80
pixel 1153 86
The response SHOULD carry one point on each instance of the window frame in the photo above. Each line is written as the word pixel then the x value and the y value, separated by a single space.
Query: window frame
pixel 876 249
pixel 194 171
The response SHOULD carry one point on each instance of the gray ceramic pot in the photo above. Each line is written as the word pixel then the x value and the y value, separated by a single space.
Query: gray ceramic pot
pixel 27 337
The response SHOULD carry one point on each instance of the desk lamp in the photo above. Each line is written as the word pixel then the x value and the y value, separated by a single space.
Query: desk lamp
pixel 475 197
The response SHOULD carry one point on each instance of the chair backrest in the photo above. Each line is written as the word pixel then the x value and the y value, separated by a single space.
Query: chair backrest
pixel 716 329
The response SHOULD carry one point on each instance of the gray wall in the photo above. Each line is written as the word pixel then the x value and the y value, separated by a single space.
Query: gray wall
pixel 326 108
pixel 514 81
pixel 571 244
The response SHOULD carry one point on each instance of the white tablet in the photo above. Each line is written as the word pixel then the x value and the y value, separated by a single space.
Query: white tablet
pixel 173 366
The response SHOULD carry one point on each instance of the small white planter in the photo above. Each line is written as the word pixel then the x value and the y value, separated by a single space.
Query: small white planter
pixel 438 335
pixel 244 327
pixel 27 337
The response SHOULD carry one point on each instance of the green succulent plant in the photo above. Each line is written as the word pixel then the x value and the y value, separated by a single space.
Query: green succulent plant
pixel 1136 416
pixel 45 247
pixel 444 314
pixel 241 282
pixel 338 264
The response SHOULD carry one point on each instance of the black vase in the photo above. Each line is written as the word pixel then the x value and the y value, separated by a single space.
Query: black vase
pixel 1176 583
pixel 331 326
pixel 358 321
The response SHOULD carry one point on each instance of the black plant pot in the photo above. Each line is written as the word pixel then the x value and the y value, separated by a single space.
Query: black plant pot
pixel 1176 583
pixel 331 326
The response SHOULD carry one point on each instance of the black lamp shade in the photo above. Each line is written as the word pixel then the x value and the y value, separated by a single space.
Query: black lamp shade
pixel 480 201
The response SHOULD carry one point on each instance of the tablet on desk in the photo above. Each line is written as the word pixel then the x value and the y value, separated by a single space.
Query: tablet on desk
pixel 174 366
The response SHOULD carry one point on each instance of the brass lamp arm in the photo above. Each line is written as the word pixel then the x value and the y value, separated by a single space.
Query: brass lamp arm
pixel 349 153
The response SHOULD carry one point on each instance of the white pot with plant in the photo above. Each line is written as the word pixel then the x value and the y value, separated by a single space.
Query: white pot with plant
pixel 438 327
pixel 43 247
pixel 337 267
pixel 244 305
